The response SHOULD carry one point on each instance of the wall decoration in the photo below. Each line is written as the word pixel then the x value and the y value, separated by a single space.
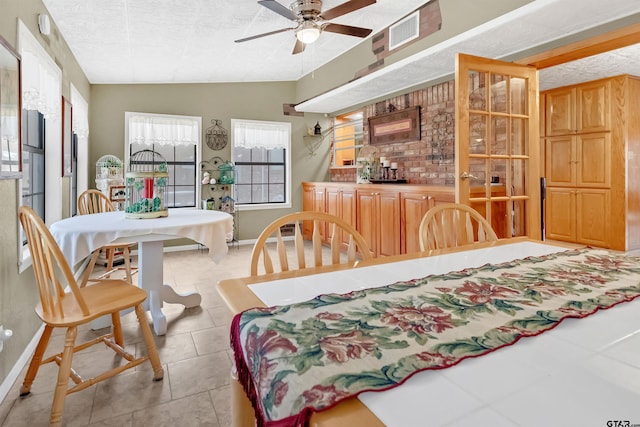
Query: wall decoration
pixel 67 138
pixel 10 112
pixel 216 136
pixel 117 193
pixel 394 127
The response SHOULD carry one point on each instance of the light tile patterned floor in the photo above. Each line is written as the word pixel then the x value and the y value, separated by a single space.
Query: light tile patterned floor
pixel 194 352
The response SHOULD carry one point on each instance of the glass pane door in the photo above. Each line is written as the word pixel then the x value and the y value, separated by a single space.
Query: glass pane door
pixel 497 150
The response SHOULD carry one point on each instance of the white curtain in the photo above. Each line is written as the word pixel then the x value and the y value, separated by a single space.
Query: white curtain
pixel 160 130
pixel 42 91
pixel 252 134
pixel 40 82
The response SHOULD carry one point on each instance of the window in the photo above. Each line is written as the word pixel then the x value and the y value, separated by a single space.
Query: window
pixel 33 161
pixel 41 182
pixel 261 152
pixel 177 139
pixel 347 138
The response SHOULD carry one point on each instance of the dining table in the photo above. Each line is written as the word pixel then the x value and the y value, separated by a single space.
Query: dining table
pixel 585 371
pixel 80 235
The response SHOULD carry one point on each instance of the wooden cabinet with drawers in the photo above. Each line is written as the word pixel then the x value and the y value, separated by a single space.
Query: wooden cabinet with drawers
pixel 592 137
pixel 388 216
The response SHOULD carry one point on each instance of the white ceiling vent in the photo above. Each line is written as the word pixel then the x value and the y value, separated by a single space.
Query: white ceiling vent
pixel 405 30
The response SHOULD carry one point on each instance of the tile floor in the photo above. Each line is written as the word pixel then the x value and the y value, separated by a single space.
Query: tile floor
pixel 195 355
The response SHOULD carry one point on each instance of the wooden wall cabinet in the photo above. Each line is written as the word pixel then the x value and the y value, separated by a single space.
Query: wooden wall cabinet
pixel 578 109
pixel 592 142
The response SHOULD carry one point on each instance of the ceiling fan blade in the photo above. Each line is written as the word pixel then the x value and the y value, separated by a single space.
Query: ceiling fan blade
pixel 347 30
pixel 264 34
pixel 276 7
pixel 344 8
pixel 298 48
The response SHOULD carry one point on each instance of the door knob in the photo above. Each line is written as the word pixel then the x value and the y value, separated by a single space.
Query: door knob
pixel 467 175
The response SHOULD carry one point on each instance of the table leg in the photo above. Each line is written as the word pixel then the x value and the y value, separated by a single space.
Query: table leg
pixel 150 278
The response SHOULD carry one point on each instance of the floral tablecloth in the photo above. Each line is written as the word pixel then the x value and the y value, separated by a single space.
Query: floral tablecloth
pixel 296 359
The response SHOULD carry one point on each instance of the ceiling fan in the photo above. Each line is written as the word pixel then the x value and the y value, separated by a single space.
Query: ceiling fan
pixel 311 20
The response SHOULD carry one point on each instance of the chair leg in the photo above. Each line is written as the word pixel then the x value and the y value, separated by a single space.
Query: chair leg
pixel 126 253
pixel 64 370
pixel 152 351
pixel 36 361
pixel 117 329
pixel 90 267
pixel 110 254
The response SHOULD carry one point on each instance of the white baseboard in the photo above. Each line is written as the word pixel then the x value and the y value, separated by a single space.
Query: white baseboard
pixel 22 361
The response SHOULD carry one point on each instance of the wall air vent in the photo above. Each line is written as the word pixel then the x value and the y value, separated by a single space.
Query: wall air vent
pixel 404 30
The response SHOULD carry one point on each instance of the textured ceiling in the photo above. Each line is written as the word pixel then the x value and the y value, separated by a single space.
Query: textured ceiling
pixel 534 24
pixel 161 41
pixel 170 41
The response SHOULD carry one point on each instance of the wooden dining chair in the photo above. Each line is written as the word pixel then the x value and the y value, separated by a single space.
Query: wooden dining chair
pixel 94 201
pixel 77 306
pixel 450 225
pixel 343 237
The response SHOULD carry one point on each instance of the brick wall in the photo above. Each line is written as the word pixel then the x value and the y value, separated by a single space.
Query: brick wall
pixel 429 160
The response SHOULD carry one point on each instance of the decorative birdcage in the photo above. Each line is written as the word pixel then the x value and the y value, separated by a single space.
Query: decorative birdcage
pixel 226 172
pixel 109 174
pixel 146 182
pixel 109 167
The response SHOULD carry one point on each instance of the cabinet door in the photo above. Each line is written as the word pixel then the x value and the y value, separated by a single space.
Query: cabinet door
pixel 388 223
pixel 560 221
pixel 560 112
pixel 367 219
pixel 592 217
pixel 593 160
pixel 313 199
pixel 348 208
pixel 560 167
pixel 413 206
pixel 341 202
pixel 592 107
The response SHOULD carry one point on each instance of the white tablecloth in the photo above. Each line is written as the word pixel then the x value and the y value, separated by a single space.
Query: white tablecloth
pixel 80 235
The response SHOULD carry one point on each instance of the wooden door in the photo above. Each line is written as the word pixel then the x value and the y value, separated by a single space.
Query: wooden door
pixel 388 219
pixel 560 213
pixel 592 107
pixel 592 217
pixel 560 112
pixel 333 206
pixel 593 160
pixel 313 199
pixel 560 168
pixel 367 218
pixel 347 200
pixel 413 206
pixel 497 140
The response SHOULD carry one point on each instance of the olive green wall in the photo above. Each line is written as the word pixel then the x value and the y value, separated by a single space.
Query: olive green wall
pixel 222 101
pixel 18 292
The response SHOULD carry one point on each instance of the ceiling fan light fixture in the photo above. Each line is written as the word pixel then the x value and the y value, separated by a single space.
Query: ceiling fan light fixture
pixel 308 32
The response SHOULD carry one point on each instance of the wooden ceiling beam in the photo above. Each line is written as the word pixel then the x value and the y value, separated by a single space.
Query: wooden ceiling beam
pixel 584 48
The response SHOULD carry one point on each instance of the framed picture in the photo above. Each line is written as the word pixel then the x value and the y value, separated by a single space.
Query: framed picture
pixel 10 113
pixel 117 193
pixel 394 127
pixel 67 138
